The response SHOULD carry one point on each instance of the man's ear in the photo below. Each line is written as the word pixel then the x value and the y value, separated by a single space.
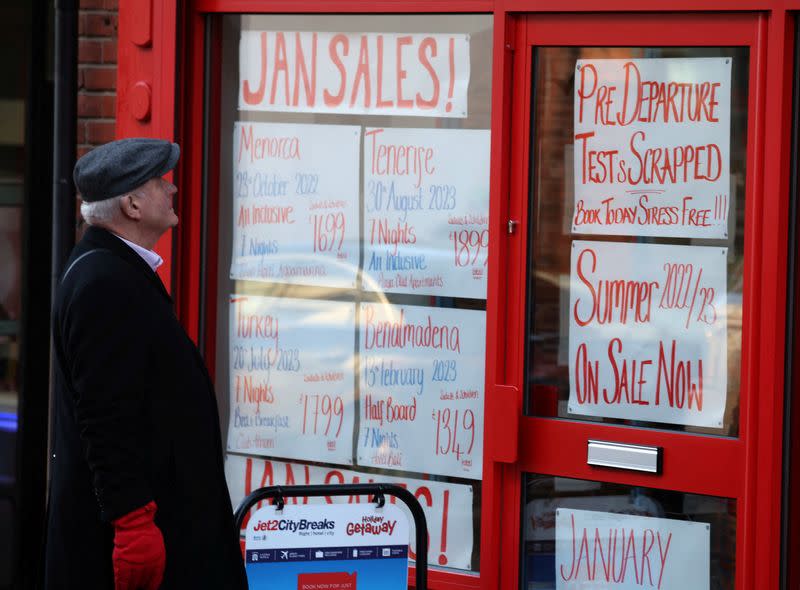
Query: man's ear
pixel 129 206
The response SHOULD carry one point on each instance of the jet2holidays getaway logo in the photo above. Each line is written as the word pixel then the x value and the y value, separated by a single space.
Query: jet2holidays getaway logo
pixel 371 525
pixel 302 527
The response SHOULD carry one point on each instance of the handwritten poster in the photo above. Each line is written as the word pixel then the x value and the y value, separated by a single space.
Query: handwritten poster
pixel 652 147
pixel 421 75
pixel 421 385
pixel 426 211
pixel 648 332
pixel 291 378
pixel 609 550
pixel 295 206
pixel 447 507
pixel 343 547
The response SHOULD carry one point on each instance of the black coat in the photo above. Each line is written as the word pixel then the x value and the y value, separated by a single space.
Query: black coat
pixel 135 419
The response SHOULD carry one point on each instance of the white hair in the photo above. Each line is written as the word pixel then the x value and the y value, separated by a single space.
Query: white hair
pixel 101 212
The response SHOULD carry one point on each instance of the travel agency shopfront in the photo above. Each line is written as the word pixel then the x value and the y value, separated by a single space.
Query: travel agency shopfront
pixel 532 260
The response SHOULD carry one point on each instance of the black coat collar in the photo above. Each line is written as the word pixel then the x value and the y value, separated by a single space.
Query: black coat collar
pixel 97 237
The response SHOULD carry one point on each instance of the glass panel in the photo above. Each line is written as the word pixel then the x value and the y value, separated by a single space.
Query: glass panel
pixel 10 262
pixel 351 294
pixel 575 530
pixel 637 236
pixel 10 288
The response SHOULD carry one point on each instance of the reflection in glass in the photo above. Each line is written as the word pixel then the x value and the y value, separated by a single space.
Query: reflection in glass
pixel 551 233
pixel 455 493
pixel 551 500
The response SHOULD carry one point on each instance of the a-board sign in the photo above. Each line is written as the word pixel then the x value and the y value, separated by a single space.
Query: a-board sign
pixel 426 211
pixel 447 506
pixel 648 332
pixel 420 74
pixel 652 147
pixel 295 203
pixel 604 550
pixel 321 547
pixel 291 378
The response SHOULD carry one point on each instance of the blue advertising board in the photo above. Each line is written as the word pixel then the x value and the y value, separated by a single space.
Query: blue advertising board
pixel 328 547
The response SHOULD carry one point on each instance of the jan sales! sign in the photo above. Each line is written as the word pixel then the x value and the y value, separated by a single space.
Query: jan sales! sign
pixel 291 378
pixel 447 507
pixel 421 386
pixel 295 203
pixel 652 147
pixel 419 75
pixel 426 211
pixel 603 550
pixel 648 332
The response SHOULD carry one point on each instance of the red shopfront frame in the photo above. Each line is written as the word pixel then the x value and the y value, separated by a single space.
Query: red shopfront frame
pixel 716 475
pixel 157 38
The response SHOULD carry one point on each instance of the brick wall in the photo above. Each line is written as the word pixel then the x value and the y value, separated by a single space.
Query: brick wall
pixel 97 72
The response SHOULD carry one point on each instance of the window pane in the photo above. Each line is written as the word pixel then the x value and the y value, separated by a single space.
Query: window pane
pixel 353 227
pixel 614 335
pixel 574 529
pixel 10 301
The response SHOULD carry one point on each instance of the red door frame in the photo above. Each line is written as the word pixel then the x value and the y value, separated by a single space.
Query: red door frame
pixel 757 538
pixel 160 80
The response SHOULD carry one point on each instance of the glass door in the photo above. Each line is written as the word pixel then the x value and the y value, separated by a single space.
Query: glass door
pixel 632 183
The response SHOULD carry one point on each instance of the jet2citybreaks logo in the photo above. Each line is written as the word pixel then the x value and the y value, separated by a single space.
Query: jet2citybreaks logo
pixel 294 526
pixel 371 525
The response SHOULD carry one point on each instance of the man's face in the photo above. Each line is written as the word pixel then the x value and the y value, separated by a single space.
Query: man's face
pixel 155 202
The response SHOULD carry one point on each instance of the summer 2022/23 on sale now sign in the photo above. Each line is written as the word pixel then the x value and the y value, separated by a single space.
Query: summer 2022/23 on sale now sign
pixel 291 378
pixel 648 332
pixel 426 211
pixel 295 203
pixel 652 147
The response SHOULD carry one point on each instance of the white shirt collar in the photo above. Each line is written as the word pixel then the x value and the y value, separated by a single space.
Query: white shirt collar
pixel 150 257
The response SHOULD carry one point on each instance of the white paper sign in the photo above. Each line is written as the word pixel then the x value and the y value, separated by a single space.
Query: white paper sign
pixel 608 550
pixel 648 332
pixel 652 147
pixel 421 382
pixel 447 507
pixel 420 75
pixel 295 206
pixel 426 212
pixel 291 378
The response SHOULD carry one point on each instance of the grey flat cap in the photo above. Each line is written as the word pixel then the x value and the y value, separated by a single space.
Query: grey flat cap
pixel 119 167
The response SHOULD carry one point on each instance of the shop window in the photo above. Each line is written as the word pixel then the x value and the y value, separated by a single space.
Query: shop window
pixel 353 207
pixel 626 536
pixel 635 292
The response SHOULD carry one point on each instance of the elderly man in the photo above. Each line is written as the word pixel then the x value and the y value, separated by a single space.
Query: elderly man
pixel 138 497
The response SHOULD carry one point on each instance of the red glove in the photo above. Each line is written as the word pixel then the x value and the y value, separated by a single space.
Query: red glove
pixel 139 555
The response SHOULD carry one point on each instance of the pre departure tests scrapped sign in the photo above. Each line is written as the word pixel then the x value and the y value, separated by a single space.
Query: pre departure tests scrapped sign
pixel 652 147
pixel 328 547
pixel 648 332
